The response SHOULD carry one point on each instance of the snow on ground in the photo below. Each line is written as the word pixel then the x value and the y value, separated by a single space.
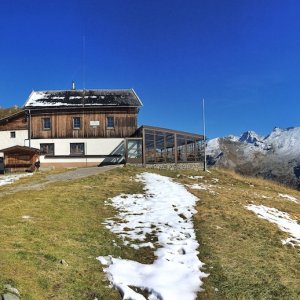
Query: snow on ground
pixel 281 219
pixel 199 186
pixel 290 198
pixel 195 177
pixel 261 196
pixel 8 179
pixel 165 211
pixel 202 186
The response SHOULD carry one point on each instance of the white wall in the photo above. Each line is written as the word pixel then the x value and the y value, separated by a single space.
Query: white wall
pixel 104 146
pixel 6 141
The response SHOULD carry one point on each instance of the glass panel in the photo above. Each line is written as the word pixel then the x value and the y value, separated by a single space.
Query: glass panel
pixel 47 149
pixel 149 143
pixel 110 122
pixel 46 123
pixel 181 148
pixel 134 149
pixel 170 144
pixel 191 153
pixel 77 148
pixel 76 122
pixel 160 146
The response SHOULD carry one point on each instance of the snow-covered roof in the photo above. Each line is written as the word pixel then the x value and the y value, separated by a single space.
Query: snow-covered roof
pixel 76 98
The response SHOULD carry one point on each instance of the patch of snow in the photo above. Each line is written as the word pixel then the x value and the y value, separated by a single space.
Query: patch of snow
pixel 215 180
pixel 198 186
pixel 281 219
pixel 290 198
pixel 58 98
pixel 201 186
pixel 195 177
pixel 233 138
pixel 74 97
pixel 9 179
pixel 165 212
pixel 262 196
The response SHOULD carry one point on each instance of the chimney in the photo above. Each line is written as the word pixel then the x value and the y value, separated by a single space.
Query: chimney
pixel 73 85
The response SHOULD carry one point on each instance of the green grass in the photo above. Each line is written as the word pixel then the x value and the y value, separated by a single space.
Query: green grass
pixel 243 254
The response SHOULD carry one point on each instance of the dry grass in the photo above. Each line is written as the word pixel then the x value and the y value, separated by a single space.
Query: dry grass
pixel 243 254
pixel 64 224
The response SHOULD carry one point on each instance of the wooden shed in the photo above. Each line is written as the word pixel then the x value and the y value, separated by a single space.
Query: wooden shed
pixel 20 158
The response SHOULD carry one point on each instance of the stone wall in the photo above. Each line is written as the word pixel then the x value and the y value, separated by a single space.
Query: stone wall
pixel 171 166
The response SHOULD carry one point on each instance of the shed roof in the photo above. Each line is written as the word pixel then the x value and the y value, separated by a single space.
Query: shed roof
pixel 18 148
pixel 83 98
pixel 11 117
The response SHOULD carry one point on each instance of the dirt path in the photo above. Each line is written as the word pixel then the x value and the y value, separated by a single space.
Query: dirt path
pixel 66 176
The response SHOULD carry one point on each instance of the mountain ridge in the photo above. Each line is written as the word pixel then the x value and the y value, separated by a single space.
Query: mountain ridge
pixel 276 156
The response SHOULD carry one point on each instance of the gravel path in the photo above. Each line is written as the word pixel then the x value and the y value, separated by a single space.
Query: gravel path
pixel 80 173
pixel 66 176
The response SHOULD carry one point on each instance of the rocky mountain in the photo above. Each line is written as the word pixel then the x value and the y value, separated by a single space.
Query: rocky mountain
pixel 276 156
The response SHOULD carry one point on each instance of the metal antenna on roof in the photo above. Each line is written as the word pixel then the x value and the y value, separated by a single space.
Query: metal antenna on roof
pixel 204 135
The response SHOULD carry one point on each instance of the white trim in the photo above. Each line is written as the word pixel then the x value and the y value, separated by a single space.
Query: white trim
pixel 33 91
pixel 137 97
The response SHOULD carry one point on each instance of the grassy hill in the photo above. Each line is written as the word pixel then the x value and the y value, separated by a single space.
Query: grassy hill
pixel 50 238
pixel 4 112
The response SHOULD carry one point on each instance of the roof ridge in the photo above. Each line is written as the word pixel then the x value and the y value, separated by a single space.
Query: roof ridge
pixel 90 97
pixel 70 90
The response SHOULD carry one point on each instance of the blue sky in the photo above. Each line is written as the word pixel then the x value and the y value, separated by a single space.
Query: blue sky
pixel 243 57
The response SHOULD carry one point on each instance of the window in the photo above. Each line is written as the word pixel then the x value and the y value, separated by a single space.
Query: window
pixel 77 149
pixel 12 134
pixel 110 122
pixel 46 123
pixel 76 123
pixel 47 149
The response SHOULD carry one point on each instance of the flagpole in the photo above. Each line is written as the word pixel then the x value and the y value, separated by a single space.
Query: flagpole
pixel 204 134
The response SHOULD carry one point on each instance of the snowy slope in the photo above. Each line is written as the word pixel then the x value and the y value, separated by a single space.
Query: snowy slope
pixel 284 142
pixel 165 211
pixel 276 156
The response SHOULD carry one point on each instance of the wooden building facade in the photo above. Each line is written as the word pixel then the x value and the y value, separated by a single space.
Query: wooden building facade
pixel 83 123
pixel 74 128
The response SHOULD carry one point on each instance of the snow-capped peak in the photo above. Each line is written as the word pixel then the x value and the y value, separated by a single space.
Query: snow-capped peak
pixel 285 141
pixel 250 137
pixel 233 138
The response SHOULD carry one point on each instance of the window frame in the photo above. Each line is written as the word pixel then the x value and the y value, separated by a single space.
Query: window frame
pixel 47 145
pixel 74 120
pixel 44 122
pixel 110 119
pixel 12 134
pixel 77 153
